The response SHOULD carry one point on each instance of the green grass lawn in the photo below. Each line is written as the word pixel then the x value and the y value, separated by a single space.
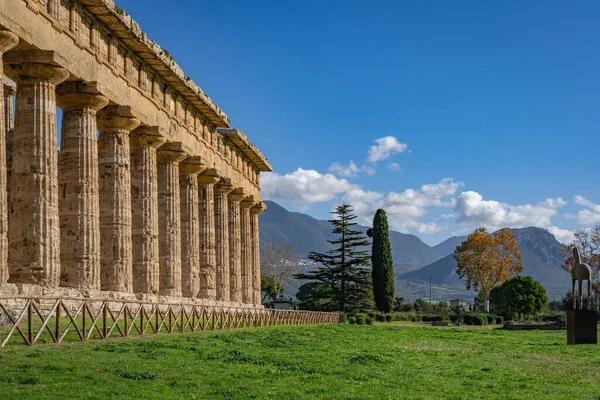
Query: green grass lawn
pixel 321 361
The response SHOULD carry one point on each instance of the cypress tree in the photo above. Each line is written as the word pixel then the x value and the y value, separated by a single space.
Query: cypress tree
pixel 343 282
pixel 383 265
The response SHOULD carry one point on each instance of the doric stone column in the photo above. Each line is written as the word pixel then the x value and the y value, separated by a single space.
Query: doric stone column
pixel 9 128
pixel 144 206
pixel 190 228
pixel 169 220
pixel 255 211
pixel 79 208
pixel 33 234
pixel 208 260
pixel 115 123
pixel 235 245
pixel 222 189
pixel 8 40
pixel 247 262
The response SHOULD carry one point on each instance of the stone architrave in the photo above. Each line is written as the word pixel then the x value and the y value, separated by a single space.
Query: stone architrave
pixel 169 221
pixel 246 244
pixel 208 260
pixel 144 206
pixel 8 40
pixel 79 208
pixel 33 233
pixel 190 227
pixel 255 211
pixel 222 189
pixel 235 245
pixel 115 124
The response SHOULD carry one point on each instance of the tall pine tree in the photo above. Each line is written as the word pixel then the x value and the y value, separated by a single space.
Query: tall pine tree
pixel 383 265
pixel 343 281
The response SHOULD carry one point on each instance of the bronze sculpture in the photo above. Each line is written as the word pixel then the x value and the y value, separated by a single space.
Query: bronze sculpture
pixel 579 273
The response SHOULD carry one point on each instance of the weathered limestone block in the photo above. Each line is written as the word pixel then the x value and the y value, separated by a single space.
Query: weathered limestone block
pixel 115 123
pixel 144 205
pixel 169 222
pixel 235 245
pixel 222 189
pixel 190 228
pixel 79 207
pixel 255 211
pixel 33 234
pixel 246 244
pixel 208 257
pixel 8 40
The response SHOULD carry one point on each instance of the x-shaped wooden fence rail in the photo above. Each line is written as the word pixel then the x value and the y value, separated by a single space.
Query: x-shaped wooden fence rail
pixel 36 320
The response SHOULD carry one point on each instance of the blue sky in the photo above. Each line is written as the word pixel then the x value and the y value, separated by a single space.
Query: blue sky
pixel 481 113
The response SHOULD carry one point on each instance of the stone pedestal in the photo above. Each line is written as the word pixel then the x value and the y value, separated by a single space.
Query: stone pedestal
pixel 144 207
pixel 208 257
pixel 79 206
pixel 235 245
pixel 190 227
pixel 115 123
pixel 33 234
pixel 169 211
pixel 582 327
pixel 222 189
pixel 8 40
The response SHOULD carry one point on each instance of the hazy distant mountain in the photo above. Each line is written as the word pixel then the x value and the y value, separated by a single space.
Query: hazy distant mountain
pixel 310 234
pixel 541 260
pixel 414 260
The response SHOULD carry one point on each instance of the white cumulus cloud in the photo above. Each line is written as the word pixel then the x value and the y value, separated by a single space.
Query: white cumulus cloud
pixel 394 167
pixel 590 215
pixel 472 209
pixel 303 185
pixel 350 171
pixel 565 236
pixel 384 148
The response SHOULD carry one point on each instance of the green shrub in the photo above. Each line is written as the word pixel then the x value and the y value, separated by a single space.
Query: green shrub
pixel 380 318
pixel 500 320
pixel 475 319
pixel 372 314
pixel 361 319
pixel 343 317
pixel 370 321
pixel 352 320
pixel 417 318
pixel 480 320
pixel 491 318
pixel 388 318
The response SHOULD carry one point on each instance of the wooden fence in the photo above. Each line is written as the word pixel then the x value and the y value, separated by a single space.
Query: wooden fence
pixel 44 320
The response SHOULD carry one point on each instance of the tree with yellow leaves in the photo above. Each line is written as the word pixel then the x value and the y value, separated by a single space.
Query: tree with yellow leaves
pixel 486 260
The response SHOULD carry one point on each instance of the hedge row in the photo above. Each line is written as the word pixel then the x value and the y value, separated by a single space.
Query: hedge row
pixel 467 318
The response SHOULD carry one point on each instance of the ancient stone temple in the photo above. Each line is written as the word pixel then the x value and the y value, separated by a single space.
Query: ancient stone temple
pixel 147 193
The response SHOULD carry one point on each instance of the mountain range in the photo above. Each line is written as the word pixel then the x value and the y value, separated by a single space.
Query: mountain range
pixel 415 262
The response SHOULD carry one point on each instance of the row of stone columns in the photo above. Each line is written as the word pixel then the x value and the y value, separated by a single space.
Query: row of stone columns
pixel 126 212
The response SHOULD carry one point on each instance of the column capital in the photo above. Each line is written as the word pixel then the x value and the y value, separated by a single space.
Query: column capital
pixel 9 90
pixel 208 177
pixel 117 118
pixel 147 136
pixel 258 208
pixel 78 95
pixel 8 40
pixel 224 186
pixel 192 166
pixel 236 195
pixel 172 153
pixel 248 202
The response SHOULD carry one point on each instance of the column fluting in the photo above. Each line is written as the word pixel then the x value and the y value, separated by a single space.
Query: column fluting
pixel 246 244
pixel 34 233
pixel 235 245
pixel 190 227
pixel 115 123
pixel 221 190
pixel 8 40
pixel 255 211
pixel 169 222
pixel 79 204
pixel 208 257
pixel 144 205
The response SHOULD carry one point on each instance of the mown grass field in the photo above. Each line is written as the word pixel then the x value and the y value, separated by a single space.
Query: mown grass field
pixel 395 361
